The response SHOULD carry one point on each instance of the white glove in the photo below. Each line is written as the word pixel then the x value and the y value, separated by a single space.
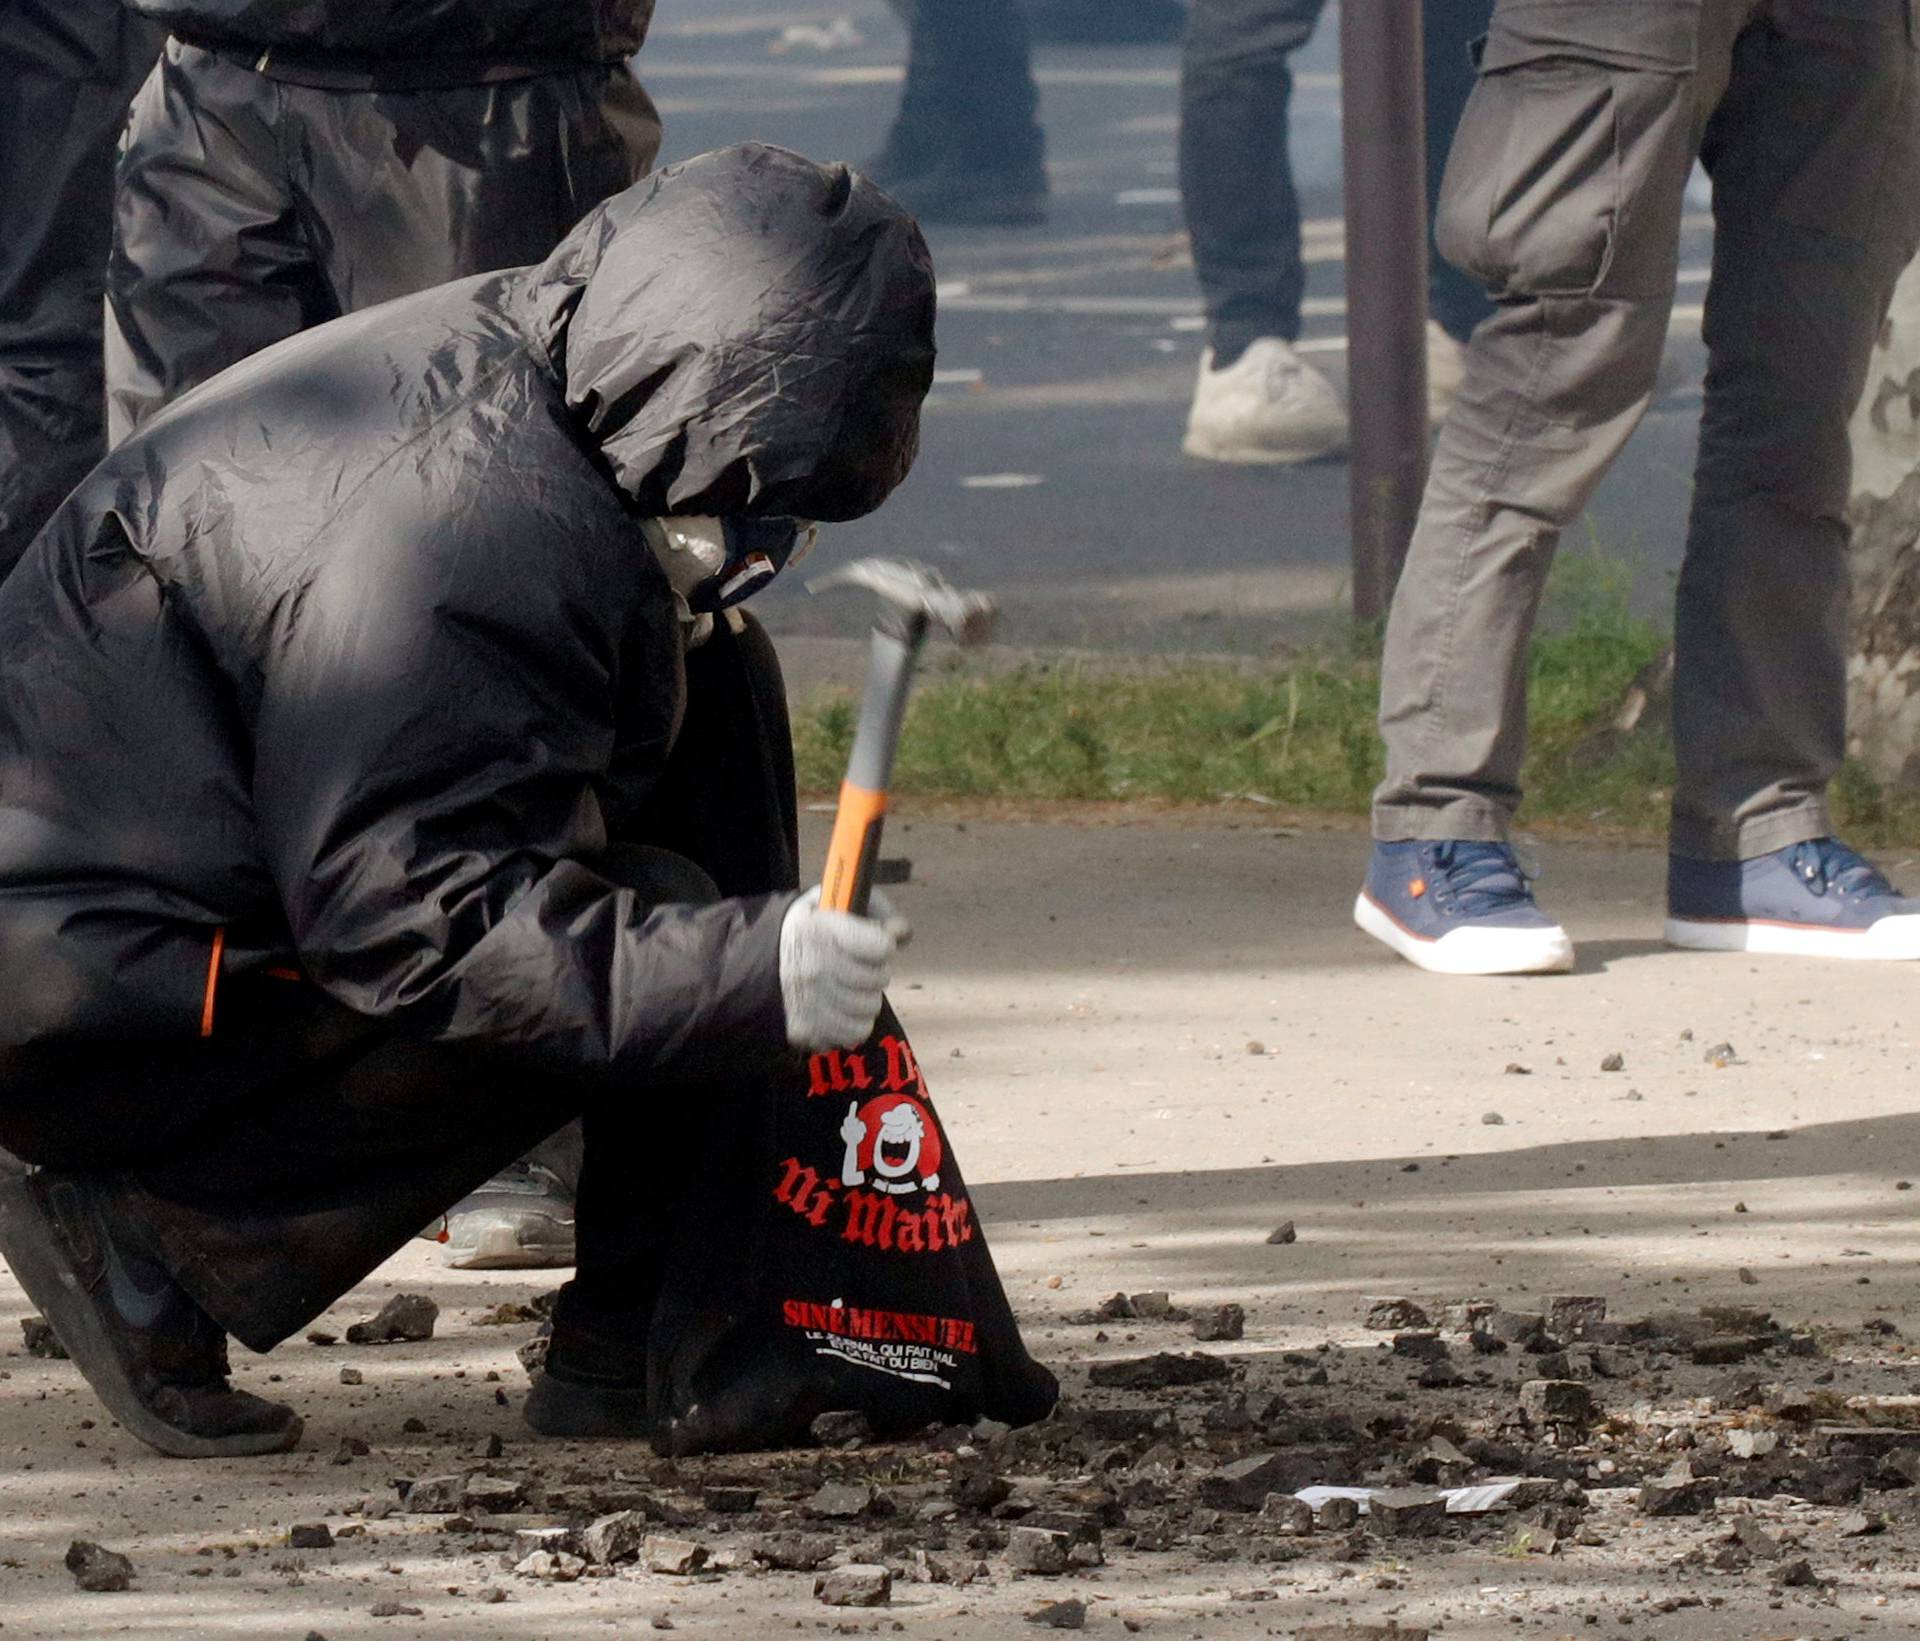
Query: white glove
pixel 834 969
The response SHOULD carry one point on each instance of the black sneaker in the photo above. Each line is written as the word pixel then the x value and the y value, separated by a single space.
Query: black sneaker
pixel 520 1220
pixel 593 1383
pixel 156 1360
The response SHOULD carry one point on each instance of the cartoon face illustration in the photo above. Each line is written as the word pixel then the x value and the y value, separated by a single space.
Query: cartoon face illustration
pixel 891 1143
pixel 896 1149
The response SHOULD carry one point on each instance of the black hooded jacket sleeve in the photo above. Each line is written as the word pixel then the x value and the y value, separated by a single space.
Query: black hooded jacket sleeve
pixel 344 659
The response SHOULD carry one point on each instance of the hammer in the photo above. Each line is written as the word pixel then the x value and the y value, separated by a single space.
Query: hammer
pixel 913 599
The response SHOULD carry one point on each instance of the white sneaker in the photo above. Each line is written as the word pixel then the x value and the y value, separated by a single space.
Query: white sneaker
pixel 1446 369
pixel 1269 405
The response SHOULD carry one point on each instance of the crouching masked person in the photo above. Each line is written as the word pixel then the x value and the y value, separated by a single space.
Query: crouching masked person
pixel 384 785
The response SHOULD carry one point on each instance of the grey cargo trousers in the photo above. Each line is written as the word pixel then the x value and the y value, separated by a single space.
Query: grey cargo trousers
pixel 1563 194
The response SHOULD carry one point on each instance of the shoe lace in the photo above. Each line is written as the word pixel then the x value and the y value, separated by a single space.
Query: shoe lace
pixel 1481 877
pixel 1827 863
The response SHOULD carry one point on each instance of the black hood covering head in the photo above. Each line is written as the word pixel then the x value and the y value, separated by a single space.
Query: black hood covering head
pixel 745 335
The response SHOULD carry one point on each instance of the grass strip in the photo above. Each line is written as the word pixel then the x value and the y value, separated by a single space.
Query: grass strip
pixel 1298 731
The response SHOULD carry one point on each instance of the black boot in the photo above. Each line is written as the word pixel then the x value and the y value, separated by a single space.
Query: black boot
pixel 594 1383
pixel 156 1360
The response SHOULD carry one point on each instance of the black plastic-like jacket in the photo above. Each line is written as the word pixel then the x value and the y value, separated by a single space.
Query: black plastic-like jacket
pixel 582 30
pixel 346 659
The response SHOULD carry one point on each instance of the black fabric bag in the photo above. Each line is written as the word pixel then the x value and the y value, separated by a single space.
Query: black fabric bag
pixel 832 1260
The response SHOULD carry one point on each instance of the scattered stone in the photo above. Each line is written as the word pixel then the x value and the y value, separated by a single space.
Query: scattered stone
pixel 1678 1493
pixel 1396 1316
pixel 1407 1512
pixel 731 1501
pixel 1614 1062
pixel 974 1488
pixel 322 1338
pixel 1493 1119
pixel 96 1569
pixel 1282 1235
pixel 395 1609
pixel 1337 1515
pixel 493 1495
pixel 1799 1575
pixel 1860 1524
pixel 1440 1376
pixel 352 1376
pixel 1486 1344
pixel 529 1540
pixel 859 1584
pixel 1516 1327
pixel 436 1495
pixel 1060 1615
pixel 848 1428
pixel 1556 1402
pixel 350 1448
pixel 1158 1372
pixel 613 1538
pixel 406 1317
pixel 794 1552
pixel 532 1356
pixel 1243 1484
pixel 1515 1069
pixel 1720 1056
pixel 1038 1550
pixel 842 1500
pixel 1421 1347
pixel 677 1557
pixel 310 1535
pixel 1156 1307
pixel 552 1566
pixel 1747 1443
pixel 37 1334
pixel 1569 1316
pixel 1753 1538
pixel 1221 1322
pixel 1724 1349
pixel 1286 1515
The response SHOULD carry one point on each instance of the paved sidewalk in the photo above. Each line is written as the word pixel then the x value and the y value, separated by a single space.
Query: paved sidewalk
pixel 1152 1042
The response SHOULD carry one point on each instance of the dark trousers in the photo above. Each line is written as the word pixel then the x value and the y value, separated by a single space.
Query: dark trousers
pixel 280 1161
pixel 1236 176
pixel 68 69
pixel 248 209
pixel 969 99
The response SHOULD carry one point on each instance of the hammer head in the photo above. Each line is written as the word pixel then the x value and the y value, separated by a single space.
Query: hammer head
pixel 915 594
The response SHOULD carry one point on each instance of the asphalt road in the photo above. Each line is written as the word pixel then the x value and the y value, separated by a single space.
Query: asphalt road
pixel 1051 468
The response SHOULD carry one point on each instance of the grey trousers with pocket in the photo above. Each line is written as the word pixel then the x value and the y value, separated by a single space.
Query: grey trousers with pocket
pixel 1564 194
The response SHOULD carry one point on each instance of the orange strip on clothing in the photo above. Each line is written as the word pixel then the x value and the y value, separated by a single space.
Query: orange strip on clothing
pixel 213 980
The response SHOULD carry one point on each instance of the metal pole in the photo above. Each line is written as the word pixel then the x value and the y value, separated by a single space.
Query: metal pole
pixel 1383 124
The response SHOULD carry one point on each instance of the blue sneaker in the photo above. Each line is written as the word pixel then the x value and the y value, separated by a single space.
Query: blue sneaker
pixel 1459 908
pixel 1814 899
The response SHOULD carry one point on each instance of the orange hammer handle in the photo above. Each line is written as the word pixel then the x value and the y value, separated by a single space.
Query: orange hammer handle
pixel 853 849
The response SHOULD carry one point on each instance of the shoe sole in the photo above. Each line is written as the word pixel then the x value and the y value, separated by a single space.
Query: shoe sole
pixel 30 1244
pixel 571 1412
pixel 1891 940
pixel 1257 455
pixel 502 1248
pixel 1469 951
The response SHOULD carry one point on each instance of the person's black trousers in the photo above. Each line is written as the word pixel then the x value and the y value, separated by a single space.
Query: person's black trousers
pixel 1236 173
pixel 969 102
pixel 68 69
pixel 281 1160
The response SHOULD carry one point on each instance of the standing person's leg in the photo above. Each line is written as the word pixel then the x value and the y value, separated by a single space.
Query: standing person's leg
pixel 1815 159
pixel 210 262
pixel 1563 194
pixel 1256 400
pixel 70 68
pixel 966 145
pixel 1455 302
pixel 404 190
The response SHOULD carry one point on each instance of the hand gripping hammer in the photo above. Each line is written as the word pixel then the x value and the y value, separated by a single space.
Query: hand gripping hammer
pixel 913 600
